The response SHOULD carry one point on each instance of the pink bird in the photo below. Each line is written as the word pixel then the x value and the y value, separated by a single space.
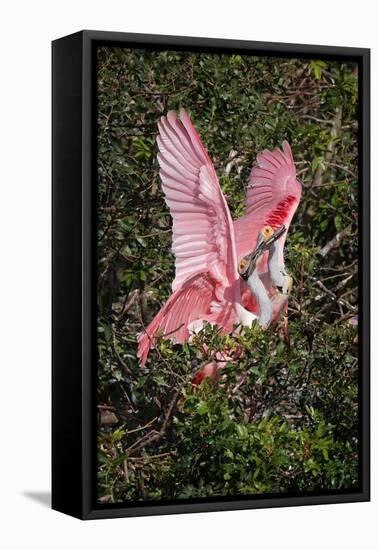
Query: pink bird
pixel 225 273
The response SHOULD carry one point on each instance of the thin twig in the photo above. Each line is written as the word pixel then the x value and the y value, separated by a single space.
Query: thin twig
pixel 336 241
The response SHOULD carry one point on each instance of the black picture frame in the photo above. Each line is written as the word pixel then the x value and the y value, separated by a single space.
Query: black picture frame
pixel 74 273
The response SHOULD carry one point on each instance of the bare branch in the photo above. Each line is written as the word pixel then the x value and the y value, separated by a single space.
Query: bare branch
pixel 336 241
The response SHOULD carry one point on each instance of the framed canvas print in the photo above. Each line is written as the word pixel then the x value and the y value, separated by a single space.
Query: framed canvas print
pixel 210 274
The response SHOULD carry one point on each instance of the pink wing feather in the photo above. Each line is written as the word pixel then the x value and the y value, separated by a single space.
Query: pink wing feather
pixel 203 238
pixel 203 234
pixel 270 179
pixel 189 303
pixel 273 195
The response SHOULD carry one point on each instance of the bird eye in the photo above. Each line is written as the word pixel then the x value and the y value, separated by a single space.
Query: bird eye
pixel 242 265
pixel 267 231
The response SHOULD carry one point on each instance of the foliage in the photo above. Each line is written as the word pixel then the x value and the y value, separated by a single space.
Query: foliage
pixel 283 417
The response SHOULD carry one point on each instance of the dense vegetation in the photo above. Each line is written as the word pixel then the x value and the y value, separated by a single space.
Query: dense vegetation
pixel 284 417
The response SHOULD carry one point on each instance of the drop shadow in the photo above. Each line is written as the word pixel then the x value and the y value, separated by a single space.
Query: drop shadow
pixel 42 497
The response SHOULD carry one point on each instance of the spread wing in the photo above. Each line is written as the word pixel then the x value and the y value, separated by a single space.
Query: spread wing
pixel 270 180
pixel 191 302
pixel 203 234
pixel 272 197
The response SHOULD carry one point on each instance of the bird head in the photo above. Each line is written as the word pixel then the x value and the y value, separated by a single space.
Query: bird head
pixel 266 237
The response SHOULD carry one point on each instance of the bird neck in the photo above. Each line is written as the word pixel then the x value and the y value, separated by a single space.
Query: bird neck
pixel 265 307
pixel 278 274
pixel 276 262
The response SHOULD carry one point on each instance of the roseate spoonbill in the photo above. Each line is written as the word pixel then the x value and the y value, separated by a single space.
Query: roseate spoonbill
pixel 210 250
